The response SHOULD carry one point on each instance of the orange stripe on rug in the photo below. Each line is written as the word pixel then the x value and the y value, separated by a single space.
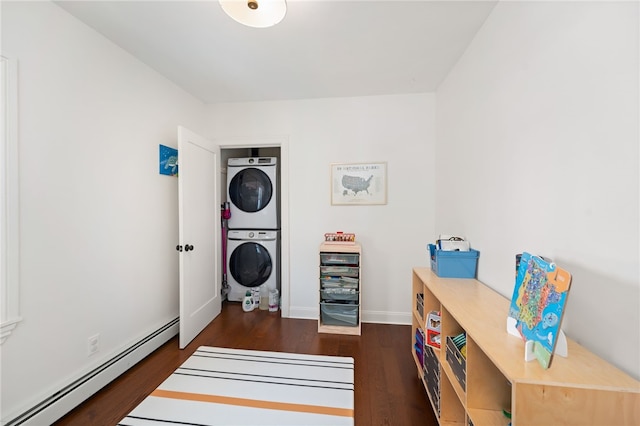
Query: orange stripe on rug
pixel 255 403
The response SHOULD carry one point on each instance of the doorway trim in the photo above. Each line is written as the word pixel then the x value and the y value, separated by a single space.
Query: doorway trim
pixel 281 142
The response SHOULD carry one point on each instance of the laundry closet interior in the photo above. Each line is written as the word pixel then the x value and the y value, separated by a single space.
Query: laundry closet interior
pixel 250 215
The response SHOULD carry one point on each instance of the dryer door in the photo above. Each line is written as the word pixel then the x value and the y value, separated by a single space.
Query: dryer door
pixel 250 264
pixel 250 190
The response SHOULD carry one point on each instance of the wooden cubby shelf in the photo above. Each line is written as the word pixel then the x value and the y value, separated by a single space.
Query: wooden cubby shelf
pixel 581 389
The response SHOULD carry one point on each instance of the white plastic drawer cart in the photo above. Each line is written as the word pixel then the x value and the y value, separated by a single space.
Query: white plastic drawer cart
pixel 339 290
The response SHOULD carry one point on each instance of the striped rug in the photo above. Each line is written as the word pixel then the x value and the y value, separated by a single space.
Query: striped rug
pixel 220 386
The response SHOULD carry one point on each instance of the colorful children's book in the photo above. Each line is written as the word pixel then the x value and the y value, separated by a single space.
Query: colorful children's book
pixel 538 303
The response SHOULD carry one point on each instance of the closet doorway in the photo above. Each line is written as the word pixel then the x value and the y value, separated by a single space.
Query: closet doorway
pixel 277 146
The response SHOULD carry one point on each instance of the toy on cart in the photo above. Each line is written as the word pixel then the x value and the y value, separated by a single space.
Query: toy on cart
pixel 433 329
pixel 339 238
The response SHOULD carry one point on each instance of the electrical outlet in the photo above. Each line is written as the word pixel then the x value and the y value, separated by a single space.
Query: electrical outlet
pixel 93 344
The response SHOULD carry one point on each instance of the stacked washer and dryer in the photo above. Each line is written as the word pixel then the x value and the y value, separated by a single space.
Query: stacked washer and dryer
pixel 253 236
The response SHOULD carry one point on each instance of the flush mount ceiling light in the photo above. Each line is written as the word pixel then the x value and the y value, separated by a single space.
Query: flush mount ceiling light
pixel 255 13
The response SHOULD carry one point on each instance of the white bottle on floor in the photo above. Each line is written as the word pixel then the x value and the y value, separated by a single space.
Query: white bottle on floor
pixel 247 303
pixel 274 300
pixel 255 293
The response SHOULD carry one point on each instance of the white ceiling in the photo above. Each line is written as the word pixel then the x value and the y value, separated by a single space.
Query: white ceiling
pixel 321 49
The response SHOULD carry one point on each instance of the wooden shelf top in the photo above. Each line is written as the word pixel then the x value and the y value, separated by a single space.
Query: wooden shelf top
pixel 340 248
pixel 483 312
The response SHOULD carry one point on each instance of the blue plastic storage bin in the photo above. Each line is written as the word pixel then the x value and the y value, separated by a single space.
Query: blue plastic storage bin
pixel 454 264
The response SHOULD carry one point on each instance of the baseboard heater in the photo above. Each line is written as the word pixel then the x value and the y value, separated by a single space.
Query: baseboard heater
pixel 66 399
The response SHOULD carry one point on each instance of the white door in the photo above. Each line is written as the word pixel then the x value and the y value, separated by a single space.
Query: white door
pixel 199 228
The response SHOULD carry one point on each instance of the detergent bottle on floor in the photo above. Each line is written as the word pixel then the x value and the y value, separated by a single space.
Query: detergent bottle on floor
pixel 247 302
pixel 274 300
pixel 255 293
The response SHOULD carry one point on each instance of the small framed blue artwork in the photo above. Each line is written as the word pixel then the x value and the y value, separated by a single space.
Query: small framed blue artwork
pixel 168 161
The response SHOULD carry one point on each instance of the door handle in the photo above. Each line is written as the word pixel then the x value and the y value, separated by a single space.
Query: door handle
pixel 179 247
pixel 188 248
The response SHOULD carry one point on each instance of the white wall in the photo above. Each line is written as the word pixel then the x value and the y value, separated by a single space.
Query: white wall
pixel 396 129
pixel 544 85
pixel 537 130
pixel 98 223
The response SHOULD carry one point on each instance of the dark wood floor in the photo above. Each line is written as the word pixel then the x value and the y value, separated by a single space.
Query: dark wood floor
pixel 387 388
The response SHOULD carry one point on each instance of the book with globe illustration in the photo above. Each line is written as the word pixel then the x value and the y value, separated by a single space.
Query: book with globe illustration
pixel 538 304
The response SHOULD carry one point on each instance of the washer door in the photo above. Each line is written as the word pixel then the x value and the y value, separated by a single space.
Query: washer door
pixel 250 190
pixel 250 264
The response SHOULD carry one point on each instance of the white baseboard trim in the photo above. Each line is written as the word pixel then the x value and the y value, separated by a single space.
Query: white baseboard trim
pixel 380 317
pixel 303 313
pixel 70 396
pixel 385 317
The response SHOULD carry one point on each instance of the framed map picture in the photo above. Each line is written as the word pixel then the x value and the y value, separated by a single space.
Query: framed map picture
pixel 358 184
